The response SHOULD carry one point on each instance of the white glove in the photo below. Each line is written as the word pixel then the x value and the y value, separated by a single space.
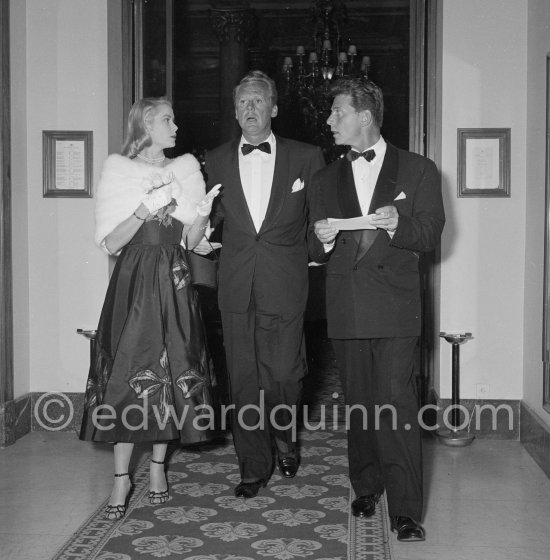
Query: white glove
pixel 157 199
pixel 204 207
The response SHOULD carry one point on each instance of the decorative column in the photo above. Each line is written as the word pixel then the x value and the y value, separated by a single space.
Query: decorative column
pixel 234 26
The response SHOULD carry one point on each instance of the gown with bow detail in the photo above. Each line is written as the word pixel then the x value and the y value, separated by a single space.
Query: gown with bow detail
pixel 151 370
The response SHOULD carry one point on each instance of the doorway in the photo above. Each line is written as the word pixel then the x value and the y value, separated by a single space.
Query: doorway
pixel 148 67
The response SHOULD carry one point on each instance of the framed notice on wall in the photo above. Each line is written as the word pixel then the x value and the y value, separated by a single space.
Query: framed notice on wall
pixel 67 163
pixel 484 162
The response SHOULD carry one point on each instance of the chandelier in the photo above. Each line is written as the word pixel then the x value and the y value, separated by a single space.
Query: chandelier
pixel 329 58
pixel 307 77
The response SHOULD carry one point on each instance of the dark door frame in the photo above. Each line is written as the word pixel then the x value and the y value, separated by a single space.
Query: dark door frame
pixel 425 139
pixel 7 408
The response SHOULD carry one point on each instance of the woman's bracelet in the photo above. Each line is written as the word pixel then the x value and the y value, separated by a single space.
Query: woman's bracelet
pixel 142 219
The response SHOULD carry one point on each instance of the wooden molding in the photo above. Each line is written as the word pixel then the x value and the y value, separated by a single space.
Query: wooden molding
pixel 6 299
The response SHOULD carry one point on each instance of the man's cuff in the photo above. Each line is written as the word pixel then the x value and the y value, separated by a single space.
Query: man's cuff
pixel 328 247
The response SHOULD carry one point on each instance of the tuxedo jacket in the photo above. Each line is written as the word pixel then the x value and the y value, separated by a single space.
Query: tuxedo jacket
pixel 372 280
pixel 268 267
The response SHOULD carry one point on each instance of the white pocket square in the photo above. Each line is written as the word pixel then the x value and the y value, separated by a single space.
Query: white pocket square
pixel 298 185
pixel 400 196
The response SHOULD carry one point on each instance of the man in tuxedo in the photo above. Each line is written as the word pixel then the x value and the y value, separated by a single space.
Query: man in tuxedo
pixel 373 297
pixel 263 279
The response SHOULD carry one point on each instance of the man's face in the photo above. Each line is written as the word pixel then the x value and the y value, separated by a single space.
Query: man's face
pixel 254 110
pixel 345 123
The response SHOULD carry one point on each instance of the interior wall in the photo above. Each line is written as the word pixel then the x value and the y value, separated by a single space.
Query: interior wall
pixel 491 248
pixel 60 83
pixel 483 244
pixel 538 46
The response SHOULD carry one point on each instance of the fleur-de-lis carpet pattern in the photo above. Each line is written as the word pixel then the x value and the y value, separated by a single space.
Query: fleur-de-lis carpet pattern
pixel 306 517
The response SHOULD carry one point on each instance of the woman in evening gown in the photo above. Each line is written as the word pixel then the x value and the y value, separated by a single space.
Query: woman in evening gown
pixel 150 376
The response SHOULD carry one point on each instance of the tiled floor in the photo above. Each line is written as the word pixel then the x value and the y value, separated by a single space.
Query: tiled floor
pixel 49 484
pixel 484 502
pixel 487 501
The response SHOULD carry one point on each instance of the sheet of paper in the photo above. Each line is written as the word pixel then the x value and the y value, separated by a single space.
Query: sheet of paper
pixel 70 165
pixel 361 222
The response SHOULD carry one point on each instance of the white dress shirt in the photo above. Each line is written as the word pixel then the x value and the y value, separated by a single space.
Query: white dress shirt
pixel 256 170
pixel 365 174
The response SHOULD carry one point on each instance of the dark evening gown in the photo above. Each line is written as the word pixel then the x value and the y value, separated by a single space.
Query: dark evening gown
pixel 151 370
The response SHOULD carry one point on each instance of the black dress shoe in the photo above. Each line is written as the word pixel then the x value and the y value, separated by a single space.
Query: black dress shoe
pixel 365 506
pixel 288 466
pixel 407 529
pixel 249 489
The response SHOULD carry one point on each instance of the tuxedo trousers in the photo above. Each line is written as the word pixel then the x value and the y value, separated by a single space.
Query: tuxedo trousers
pixel 384 438
pixel 265 355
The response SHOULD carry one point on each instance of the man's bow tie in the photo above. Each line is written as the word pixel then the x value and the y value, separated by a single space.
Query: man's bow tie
pixel 263 147
pixel 352 155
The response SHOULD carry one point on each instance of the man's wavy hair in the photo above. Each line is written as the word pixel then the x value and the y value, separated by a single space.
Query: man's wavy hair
pixel 364 95
pixel 256 76
pixel 141 113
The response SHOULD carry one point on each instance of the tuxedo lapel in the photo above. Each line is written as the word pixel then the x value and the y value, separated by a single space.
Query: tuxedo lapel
pixel 365 238
pixel 387 179
pixel 280 180
pixel 349 204
pixel 235 192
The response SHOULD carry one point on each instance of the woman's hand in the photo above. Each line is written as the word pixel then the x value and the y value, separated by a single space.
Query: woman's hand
pixel 204 207
pixel 203 247
pixel 157 199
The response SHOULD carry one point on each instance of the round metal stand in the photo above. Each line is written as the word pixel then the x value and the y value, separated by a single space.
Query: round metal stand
pixel 453 436
pixel 90 335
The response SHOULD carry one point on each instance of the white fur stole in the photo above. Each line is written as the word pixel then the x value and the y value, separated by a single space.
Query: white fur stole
pixel 124 182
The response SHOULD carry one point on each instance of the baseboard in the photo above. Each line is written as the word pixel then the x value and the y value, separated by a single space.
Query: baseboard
pixel 485 419
pixel 7 423
pixel 535 437
pixel 57 412
pixel 35 412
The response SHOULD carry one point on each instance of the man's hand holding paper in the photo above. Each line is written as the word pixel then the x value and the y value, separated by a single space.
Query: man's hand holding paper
pixel 350 224
pixel 325 232
pixel 386 218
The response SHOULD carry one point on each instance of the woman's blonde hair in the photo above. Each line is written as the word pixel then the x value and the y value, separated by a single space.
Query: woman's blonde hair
pixel 142 112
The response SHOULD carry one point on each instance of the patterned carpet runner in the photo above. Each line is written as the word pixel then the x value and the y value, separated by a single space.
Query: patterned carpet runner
pixel 306 517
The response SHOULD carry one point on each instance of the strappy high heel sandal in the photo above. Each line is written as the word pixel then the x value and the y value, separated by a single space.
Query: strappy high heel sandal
pixel 118 511
pixel 156 498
